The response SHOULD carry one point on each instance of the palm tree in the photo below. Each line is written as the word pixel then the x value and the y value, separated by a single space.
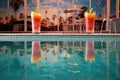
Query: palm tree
pixel 15 4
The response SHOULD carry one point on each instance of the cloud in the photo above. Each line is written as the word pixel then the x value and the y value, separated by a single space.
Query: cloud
pixel 99 2
pixel 54 10
pixel 65 4
pixel 48 1
pixel 3 10
pixel 50 11
pixel 47 5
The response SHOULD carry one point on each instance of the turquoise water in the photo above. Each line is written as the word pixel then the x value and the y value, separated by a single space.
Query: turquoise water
pixel 60 60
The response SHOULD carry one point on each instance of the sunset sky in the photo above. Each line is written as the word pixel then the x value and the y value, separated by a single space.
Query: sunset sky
pixel 51 6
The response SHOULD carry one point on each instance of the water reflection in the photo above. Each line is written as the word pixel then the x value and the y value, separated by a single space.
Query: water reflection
pixel 89 51
pixel 60 60
pixel 36 52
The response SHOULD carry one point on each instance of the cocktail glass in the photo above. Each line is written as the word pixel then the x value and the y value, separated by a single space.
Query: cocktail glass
pixel 90 22
pixel 36 22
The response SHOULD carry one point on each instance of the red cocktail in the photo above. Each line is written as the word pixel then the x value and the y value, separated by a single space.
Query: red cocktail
pixel 36 22
pixel 90 21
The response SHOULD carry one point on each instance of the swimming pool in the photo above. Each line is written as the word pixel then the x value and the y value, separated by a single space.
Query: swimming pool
pixel 28 57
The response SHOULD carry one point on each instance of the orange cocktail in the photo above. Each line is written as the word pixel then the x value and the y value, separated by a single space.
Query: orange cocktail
pixel 36 22
pixel 90 21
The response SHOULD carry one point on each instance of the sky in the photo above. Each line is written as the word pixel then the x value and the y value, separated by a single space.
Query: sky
pixel 51 7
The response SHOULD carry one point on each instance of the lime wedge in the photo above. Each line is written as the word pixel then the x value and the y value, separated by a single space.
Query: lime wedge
pixel 91 10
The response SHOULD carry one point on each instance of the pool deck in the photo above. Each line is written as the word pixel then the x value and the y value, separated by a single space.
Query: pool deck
pixel 57 36
pixel 60 34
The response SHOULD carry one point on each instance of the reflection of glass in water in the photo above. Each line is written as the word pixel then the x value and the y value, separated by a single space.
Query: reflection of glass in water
pixel 36 53
pixel 89 51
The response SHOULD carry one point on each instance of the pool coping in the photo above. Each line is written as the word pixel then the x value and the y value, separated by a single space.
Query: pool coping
pixel 63 34
pixel 58 37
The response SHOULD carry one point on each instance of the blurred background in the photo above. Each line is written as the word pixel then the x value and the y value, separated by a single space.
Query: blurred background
pixel 16 10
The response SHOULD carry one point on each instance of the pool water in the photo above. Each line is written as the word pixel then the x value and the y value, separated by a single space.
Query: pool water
pixel 60 60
